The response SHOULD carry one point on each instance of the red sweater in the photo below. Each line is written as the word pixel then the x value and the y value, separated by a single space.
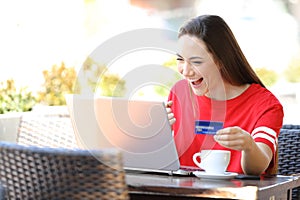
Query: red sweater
pixel 256 110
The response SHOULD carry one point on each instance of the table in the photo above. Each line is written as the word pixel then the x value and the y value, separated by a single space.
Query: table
pixel 162 186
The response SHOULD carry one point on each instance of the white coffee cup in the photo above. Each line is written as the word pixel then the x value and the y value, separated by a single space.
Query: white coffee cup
pixel 212 161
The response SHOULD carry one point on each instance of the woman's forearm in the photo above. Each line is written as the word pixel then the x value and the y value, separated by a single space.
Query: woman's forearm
pixel 257 159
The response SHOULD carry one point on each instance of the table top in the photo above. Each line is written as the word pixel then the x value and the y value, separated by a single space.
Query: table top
pixel 191 186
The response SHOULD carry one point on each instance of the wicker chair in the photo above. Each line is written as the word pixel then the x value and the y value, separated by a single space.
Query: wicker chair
pixel 2 192
pixel 46 131
pixel 29 172
pixel 288 153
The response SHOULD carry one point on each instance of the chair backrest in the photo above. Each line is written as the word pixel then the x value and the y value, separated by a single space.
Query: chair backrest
pixel 46 131
pixel 2 192
pixel 29 172
pixel 288 153
pixel 288 150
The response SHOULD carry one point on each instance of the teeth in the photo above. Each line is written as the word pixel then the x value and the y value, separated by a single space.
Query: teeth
pixel 196 82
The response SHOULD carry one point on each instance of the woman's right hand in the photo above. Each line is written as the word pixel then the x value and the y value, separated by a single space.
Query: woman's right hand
pixel 171 117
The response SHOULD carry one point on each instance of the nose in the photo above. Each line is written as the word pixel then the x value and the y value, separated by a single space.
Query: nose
pixel 186 69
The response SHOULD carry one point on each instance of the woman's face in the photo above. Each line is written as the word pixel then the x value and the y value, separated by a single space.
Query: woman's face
pixel 197 66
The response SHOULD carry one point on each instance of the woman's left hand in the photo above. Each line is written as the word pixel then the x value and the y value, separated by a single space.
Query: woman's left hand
pixel 234 138
pixel 171 117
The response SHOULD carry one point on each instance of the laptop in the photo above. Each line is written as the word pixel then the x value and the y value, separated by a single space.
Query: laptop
pixel 139 129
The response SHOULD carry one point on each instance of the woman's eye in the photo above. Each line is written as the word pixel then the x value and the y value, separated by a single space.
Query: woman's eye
pixel 196 62
pixel 179 59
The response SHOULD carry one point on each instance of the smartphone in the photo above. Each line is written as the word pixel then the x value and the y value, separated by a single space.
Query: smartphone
pixel 248 177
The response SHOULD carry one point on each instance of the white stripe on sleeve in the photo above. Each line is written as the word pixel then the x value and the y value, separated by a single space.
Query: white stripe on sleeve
pixel 264 129
pixel 267 137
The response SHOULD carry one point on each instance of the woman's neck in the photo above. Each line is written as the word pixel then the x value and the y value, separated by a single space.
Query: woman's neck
pixel 227 91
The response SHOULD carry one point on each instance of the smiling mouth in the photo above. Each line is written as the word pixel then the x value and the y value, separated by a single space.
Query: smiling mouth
pixel 197 82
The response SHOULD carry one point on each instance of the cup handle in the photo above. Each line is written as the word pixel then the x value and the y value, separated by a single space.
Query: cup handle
pixel 195 156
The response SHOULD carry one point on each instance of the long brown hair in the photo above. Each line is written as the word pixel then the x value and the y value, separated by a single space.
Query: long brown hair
pixel 222 44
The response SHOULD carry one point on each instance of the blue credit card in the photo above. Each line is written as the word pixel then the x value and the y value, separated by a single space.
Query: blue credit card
pixel 207 127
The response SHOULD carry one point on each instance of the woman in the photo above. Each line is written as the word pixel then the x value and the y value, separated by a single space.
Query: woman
pixel 220 85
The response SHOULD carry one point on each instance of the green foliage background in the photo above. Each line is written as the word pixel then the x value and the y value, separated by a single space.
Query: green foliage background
pixel 13 99
pixel 102 81
pixel 58 81
pixel 292 73
pixel 267 76
pixel 164 91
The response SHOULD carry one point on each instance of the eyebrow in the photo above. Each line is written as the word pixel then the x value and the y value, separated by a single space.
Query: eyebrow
pixel 191 58
pixel 195 57
pixel 178 55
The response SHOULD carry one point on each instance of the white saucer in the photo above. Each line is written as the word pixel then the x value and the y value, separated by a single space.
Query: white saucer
pixel 226 175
